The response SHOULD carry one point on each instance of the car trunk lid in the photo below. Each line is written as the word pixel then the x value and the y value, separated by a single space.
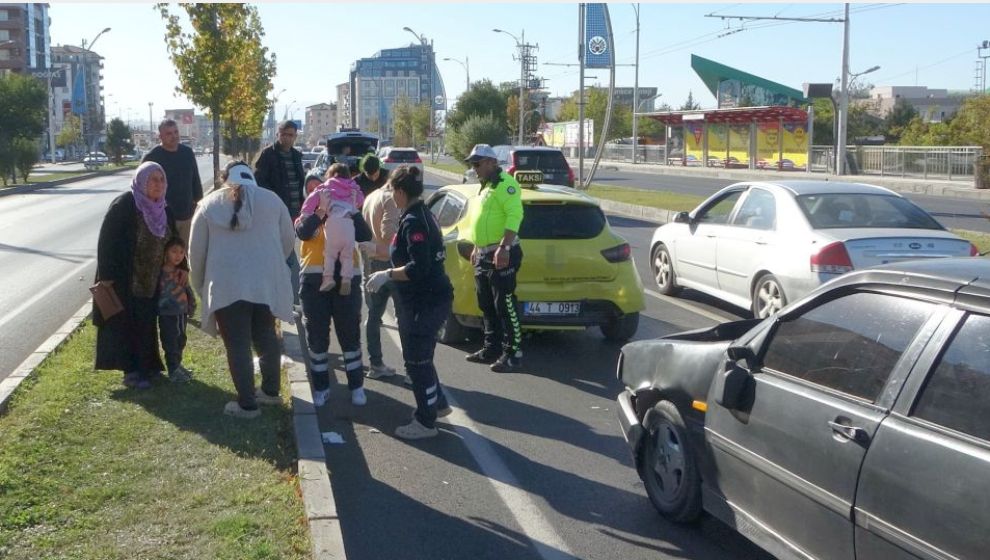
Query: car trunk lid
pixel 894 245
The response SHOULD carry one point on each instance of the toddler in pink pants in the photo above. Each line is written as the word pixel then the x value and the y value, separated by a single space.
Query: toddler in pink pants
pixel 341 197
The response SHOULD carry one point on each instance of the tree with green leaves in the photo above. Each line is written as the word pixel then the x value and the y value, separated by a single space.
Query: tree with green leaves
pixel 897 119
pixel 483 99
pixel 71 133
pixel 222 66
pixel 119 140
pixel 594 110
pixel 486 129
pixel 690 104
pixel 23 104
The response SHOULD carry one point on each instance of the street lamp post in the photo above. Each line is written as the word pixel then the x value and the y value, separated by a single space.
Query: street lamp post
pixel 82 122
pixel 983 75
pixel 467 71
pixel 848 79
pixel 522 77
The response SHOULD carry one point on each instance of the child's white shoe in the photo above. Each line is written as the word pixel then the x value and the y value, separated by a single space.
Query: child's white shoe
pixel 328 284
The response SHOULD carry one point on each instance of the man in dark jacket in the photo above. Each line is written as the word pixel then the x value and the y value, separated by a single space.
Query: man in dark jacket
pixel 372 176
pixel 181 173
pixel 279 169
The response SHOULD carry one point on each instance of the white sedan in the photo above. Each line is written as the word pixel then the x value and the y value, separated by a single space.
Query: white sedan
pixel 759 245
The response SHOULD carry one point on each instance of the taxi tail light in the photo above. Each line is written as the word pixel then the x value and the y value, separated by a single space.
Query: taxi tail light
pixel 417 160
pixel 973 251
pixel 617 254
pixel 833 258
pixel 511 169
pixel 570 176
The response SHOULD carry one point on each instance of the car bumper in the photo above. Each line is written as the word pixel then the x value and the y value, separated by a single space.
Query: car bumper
pixel 632 430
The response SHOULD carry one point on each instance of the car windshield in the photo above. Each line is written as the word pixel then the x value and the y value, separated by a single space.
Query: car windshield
pixel 828 211
pixel 539 159
pixel 561 221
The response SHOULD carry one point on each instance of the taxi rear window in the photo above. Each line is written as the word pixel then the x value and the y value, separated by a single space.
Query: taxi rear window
pixel 561 221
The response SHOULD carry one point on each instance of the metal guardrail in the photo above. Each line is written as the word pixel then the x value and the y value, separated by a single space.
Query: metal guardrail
pixel 955 163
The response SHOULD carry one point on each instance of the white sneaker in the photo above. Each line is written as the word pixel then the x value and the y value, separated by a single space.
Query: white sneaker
pixel 378 372
pixel 358 398
pixel 286 361
pixel 264 398
pixel 320 398
pixel 415 430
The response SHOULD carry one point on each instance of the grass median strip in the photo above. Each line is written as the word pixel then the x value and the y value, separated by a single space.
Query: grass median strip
pixel 90 469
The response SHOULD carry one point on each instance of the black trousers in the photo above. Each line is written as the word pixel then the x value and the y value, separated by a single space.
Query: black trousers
pixel 319 310
pixel 172 329
pixel 419 322
pixel 497 299
pixel 242 325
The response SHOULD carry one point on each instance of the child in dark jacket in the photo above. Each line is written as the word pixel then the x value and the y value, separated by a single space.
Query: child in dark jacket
pixel 175 303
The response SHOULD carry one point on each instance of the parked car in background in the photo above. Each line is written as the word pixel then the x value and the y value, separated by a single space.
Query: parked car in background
pixel 308 159
pixel 349 142
pixel 93 160
pixel 578 273
pixel 393 157
pixel 759 245
pixel 854 424
pixel 550 161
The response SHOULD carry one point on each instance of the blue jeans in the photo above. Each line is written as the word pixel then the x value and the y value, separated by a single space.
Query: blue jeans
pixel 419 322
pixel 377 302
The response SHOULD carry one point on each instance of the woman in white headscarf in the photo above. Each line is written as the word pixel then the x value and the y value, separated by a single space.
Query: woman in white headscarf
pixel 240 239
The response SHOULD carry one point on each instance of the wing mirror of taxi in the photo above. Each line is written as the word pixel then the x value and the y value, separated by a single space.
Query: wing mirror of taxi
pixel 682 218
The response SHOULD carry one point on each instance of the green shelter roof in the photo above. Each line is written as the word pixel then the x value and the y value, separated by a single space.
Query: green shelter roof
pixel 711 73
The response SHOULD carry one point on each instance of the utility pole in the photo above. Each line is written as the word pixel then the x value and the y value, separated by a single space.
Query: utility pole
pixel 527 67
pixel 840 167
pixel 580 182
pixel 983 75
pixel 635 119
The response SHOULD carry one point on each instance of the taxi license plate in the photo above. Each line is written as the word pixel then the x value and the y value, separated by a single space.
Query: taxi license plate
pixel 551 308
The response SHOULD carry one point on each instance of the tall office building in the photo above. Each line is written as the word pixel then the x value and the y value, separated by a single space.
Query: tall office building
pixel 24 38
pixel 378 82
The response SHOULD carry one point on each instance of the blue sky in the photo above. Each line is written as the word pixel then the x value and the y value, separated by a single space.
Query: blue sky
pixel 316 43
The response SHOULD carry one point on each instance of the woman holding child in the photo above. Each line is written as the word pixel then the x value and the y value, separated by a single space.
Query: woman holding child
pixel 129 257
pixel 330 287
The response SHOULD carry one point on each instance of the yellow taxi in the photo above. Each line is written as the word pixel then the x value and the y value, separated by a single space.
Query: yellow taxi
pixel 576 273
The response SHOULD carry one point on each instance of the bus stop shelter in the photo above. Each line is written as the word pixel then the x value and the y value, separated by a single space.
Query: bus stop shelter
pixel 739 137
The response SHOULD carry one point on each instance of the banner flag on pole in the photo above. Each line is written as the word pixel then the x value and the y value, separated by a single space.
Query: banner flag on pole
pixel 79 93
pixel 597 38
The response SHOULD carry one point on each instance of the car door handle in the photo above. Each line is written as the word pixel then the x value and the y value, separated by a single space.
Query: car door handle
pixel 854 433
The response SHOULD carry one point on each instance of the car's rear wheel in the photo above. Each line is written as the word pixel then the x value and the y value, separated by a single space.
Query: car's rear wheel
pixel 668 466
pixel 452 331
pixel 663 271
pixel 768 296
pixel 621 329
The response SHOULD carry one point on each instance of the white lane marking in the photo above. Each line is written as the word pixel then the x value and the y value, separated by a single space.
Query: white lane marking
pixel 521 504
pixel 687 306
pixel 71 276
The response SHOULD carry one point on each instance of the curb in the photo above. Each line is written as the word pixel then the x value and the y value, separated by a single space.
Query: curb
pixel 314 479
pixel 35 186
pixel 52 343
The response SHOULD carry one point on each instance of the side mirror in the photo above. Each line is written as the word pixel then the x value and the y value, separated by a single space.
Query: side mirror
pixel 682 218
pixel 737 353
pixel 733 383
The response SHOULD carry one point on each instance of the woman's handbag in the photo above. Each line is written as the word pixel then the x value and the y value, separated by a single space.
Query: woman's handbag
pixel 106 299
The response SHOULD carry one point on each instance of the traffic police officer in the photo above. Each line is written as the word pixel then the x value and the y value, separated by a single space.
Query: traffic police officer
pixel 423 298
pixel 493 227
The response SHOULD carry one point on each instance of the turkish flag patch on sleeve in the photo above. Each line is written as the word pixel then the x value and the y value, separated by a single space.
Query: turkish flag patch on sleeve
pixel 417 237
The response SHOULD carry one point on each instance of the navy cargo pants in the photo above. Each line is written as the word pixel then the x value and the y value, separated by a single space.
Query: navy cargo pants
pixel 497 300
pixel 419 322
